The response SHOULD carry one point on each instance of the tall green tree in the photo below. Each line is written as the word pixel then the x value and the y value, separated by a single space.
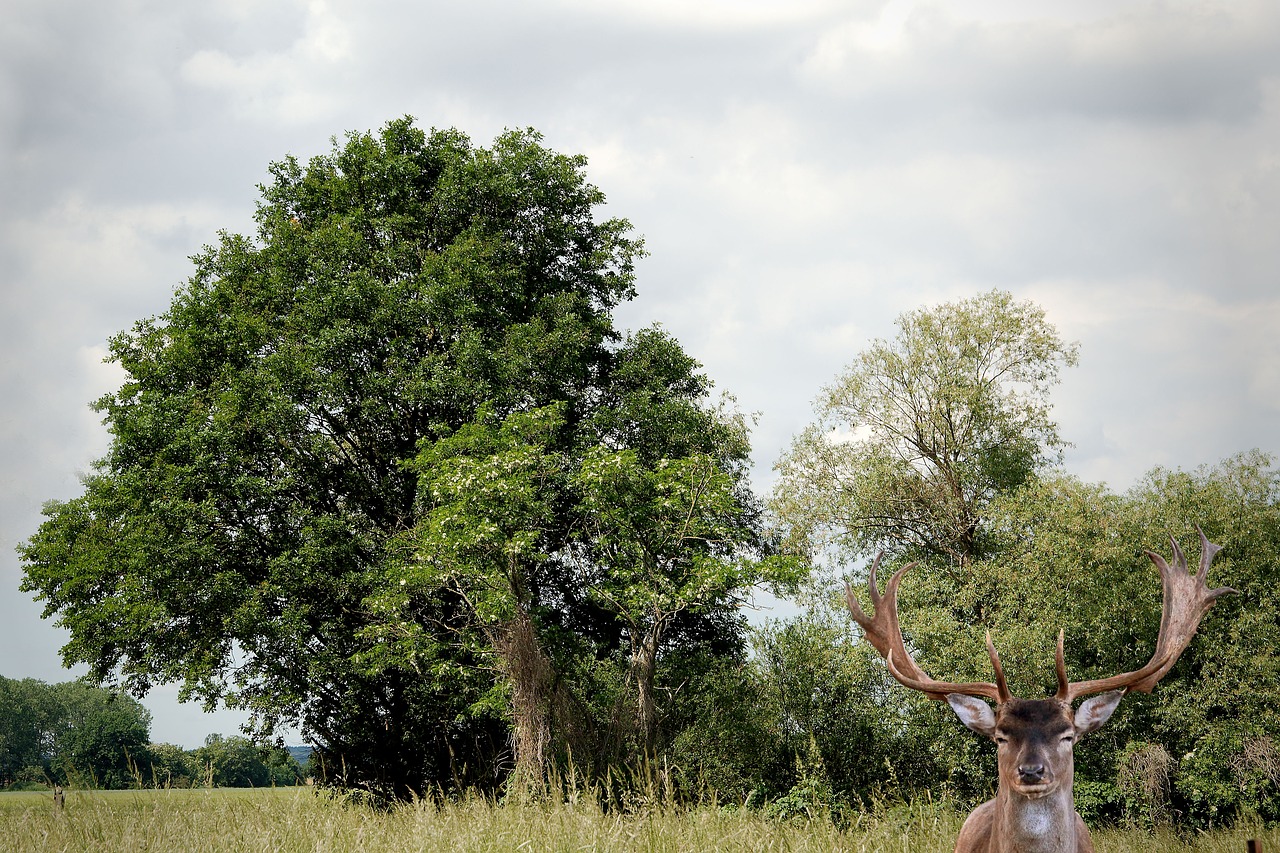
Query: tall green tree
pixel 919 434
pixel 345 488
pixel 490 521
pixel 665 539
pixel 671 539
pixel 259 465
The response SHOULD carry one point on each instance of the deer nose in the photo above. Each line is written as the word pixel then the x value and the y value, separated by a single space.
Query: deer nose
pixel 1031 773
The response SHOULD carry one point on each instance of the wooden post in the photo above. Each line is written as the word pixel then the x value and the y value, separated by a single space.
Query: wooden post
pixel 59 798
pixel 1254 846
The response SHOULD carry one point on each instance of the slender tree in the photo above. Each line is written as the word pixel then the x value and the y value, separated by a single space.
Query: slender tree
pixel 919 434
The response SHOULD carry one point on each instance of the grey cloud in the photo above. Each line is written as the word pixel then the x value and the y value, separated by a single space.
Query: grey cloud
pixel 1154 65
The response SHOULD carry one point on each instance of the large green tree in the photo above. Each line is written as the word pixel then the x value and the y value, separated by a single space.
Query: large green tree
pixel 260 444
pixel 340 486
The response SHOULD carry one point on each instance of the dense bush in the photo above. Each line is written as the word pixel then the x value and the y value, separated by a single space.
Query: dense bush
pixel 1064 554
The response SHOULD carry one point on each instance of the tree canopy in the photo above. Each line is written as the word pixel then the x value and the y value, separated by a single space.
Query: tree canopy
pixel 349 485
pixel 919 434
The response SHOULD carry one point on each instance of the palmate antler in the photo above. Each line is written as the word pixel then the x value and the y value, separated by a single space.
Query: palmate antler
pixel 885 634
pixel 1186 600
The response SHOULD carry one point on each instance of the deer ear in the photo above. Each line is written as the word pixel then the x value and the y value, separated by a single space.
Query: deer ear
pixel 974 713
pixel 1096 711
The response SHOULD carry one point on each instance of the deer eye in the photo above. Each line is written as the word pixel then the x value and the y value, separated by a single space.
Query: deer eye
pixel 999 738
pixel 1068 738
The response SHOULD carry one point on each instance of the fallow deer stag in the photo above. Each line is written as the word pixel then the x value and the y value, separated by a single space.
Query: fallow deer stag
pixel 1033 811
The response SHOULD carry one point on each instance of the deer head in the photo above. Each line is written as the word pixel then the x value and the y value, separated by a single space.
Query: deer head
pixel 1033 809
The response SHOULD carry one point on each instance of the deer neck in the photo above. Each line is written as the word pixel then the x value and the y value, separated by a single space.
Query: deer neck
pixel 1044 824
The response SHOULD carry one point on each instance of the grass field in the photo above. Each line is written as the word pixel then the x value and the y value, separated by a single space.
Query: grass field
pixel 297 820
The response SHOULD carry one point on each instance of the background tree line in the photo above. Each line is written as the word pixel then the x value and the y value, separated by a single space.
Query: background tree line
pixel 77 735
pixel 387 472
pixel 937 447
pixel 824 716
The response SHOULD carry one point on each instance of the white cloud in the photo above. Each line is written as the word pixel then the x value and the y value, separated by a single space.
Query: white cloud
pixel 82 244
pixel 708 14
pixel 884 32
pixel 1132 61
pixel 1166 376
pixel 293 85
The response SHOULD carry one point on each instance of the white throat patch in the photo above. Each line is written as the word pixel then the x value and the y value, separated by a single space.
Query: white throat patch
pixel 1038 817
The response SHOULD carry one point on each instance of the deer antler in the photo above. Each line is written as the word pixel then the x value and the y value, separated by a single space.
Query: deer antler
pixel 1187 598
pixel 885 634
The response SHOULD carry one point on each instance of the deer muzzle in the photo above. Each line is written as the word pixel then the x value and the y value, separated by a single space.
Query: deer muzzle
pixel 1031 774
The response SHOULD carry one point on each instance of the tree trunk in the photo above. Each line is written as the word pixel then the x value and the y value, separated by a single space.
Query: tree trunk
pixel 530 675
pixel 644 665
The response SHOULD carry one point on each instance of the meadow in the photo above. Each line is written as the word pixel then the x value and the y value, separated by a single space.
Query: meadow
pixel 297 819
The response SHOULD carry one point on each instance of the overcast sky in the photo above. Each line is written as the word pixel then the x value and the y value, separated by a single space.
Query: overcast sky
pixel 803 171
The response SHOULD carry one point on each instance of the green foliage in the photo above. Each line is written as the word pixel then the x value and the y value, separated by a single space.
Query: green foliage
pixel 28 720
pixel 811 712
pixel 100 739
pixel 1201 746
pixel 921 433
pixel 664 538
pixel 170 766
pixel 357 467
pixel 237 762
pixel 727 741
pixel 937 447
pixel 80 736
pixel 1099 803
pixel 825 690
pixel 386 471
pixel 811 797
pixel 70 733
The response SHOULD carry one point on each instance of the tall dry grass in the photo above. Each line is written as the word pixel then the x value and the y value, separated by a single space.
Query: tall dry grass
pixel 289 820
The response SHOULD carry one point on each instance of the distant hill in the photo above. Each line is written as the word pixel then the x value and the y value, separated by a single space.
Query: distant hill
pixel 301 754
